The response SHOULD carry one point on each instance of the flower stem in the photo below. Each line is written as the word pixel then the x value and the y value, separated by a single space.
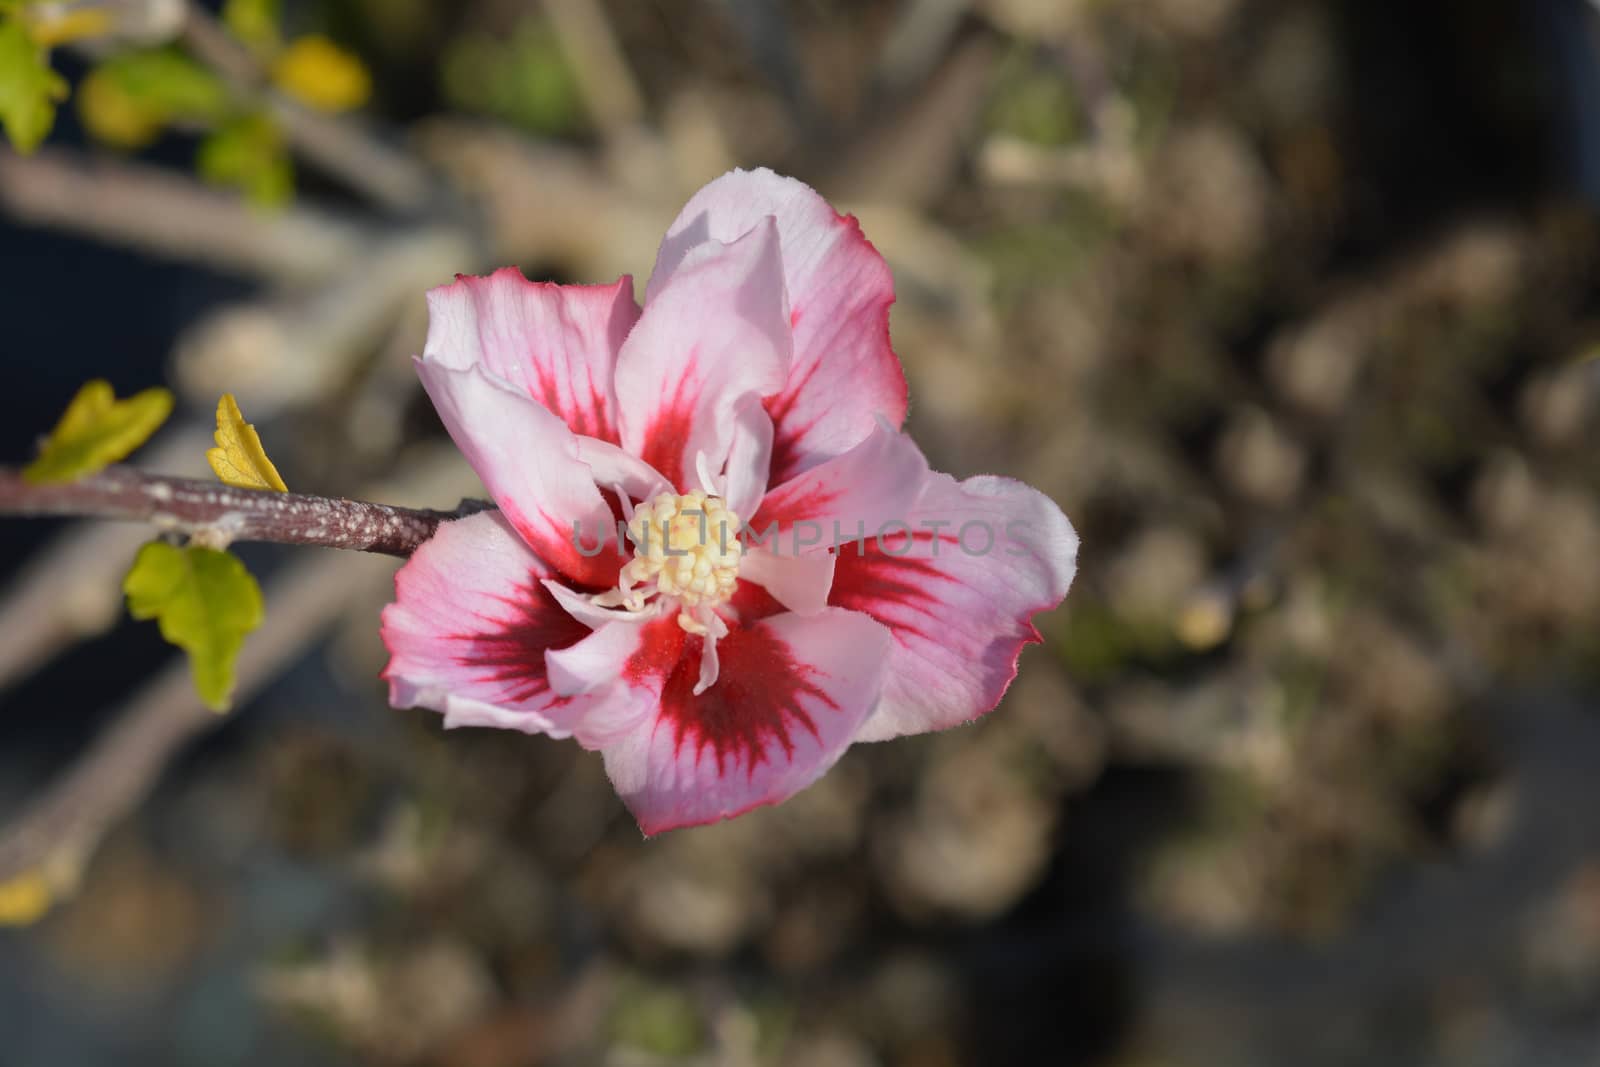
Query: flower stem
pixel 216 511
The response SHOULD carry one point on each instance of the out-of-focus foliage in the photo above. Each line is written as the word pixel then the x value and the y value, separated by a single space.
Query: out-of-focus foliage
pixel 1034 102
pixel 24 899
pixel 131 96
pixel 321 75
pixel 29 88
pixel 129 99
pixel 57 24
pixel 239 459
pixel 205 603
pixel 255 23
pixel 248 153
pixel 522 78
pixel 96 430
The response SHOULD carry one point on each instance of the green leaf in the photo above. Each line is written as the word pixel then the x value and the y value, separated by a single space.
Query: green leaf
pixel 130 98
pixel 205 603
pixel 524 78
pixel 169 84
pixel 97 429
pixel 29 89
pixel 249 154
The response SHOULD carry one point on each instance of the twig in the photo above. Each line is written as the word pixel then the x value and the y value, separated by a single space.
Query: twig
pixel 193 506
pixel 339 146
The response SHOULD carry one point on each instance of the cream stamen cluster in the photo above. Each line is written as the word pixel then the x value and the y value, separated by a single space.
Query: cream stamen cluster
pixel 685 546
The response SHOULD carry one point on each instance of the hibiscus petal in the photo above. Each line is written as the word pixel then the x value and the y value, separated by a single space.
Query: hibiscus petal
pixel 749 458
pixel 847 497
pixel 616 469
pixel 790 695
pixel 556 343
pixel 617 674
pixel 844 374
pixel 799 583
pixel 469 627
pixel 715 335
pixel 529 462
pixel 957 598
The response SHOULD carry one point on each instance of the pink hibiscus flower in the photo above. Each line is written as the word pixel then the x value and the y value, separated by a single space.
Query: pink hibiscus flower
pixel 716 558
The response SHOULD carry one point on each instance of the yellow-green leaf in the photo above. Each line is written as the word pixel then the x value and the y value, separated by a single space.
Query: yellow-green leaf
pixel 239 459
pixel 112 115
pixel 29 89
pixel 205 602
pixel 321 75
pixel 96 430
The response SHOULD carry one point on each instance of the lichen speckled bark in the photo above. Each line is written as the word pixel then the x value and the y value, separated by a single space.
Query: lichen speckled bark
pixel 222 512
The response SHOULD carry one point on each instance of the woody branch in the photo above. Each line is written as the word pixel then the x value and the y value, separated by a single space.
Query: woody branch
pixel 205 508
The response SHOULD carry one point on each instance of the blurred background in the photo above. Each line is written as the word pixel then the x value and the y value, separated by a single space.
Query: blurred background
pixel 1290 304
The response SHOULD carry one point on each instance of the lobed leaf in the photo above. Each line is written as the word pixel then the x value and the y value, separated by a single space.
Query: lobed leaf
pixel 239 460
pixel 97 430
pixel 29 89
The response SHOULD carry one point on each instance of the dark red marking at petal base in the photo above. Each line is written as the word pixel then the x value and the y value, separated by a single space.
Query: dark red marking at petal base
pixel 786 431
pixel 757 700
pixel 514 653
pixel 659 653
pixel 751 603
pixel 555 543
pixel 667 439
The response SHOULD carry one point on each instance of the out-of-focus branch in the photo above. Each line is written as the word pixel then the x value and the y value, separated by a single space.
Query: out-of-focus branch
pixel 200 507
pixel 291 349
pixel 72 589
pixel 545 202
pixel 608 85
pixel 57 834
pixel 908 156
pixel 59 830
pixel 160 211
pixel 342 146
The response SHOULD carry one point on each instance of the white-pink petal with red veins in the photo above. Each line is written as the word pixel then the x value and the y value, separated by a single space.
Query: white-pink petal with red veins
pixel 844 375
pixel 791 695
pixel 958 591
pixel 714 336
